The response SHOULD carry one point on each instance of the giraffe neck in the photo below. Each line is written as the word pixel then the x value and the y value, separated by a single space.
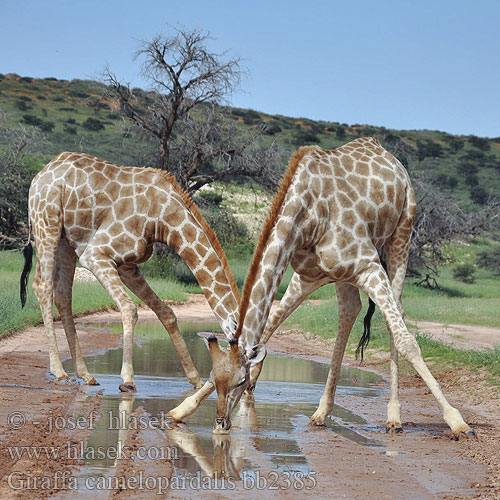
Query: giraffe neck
pixel 285 238
pixel 206 260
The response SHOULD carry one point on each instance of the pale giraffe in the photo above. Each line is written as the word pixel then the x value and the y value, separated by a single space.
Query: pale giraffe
pixel 334 213
pixel 108 217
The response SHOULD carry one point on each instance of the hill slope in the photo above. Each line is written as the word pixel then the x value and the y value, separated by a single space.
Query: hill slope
pixel 75 116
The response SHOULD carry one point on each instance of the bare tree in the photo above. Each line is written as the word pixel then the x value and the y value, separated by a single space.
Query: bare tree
pixel 440 221
pixel 15 143
pixel 212 148
pixel 196 140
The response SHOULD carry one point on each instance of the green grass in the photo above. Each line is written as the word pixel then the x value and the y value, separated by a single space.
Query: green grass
pixel 87 297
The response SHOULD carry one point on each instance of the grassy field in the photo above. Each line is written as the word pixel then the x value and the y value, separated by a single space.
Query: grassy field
pixel 472 304
pixel 457 302
pixel 87 297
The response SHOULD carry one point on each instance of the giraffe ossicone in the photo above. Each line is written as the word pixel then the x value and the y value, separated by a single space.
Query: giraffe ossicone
pixel 334 212
pixel 108 217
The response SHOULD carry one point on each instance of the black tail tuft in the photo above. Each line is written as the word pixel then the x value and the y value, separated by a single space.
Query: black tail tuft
pixel 365 338
pixel 28 262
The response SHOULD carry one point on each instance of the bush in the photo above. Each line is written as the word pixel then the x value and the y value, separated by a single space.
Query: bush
pixel 479 195
pixel 465 273
pixel 32 120
pixel 429 148
pixel 340 132
pixel 22 106
pixel 481 143
pixel 303 137
pixel 93 124
pixel 490 259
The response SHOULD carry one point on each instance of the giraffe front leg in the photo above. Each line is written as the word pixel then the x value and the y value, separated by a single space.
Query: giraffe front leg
pixel 129 319
pixel 297 291
pixel 133 278
pixel 349 307
pixel 106 272
pixel 393 424
pixel 375 283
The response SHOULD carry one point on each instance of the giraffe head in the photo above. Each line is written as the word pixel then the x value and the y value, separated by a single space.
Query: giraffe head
pixel 231 376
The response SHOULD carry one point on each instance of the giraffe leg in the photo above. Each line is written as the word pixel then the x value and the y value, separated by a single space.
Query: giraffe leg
pixel 297 291
pixel 46 240
pixel 106 272
pixel 63 284
pixel 134 279
pixel 397 250
pixel 375 283
pixel 349 308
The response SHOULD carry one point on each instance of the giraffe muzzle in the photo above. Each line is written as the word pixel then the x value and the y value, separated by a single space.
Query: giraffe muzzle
pixel 222 426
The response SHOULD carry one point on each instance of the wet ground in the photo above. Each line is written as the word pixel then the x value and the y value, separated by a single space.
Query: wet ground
pixel 264 428
pixel 272 449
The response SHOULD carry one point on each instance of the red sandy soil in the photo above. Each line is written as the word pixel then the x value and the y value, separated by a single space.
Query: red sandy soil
pixel 421 463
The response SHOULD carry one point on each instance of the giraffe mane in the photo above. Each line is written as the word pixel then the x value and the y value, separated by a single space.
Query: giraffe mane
pixel 212 237
pixel 279 197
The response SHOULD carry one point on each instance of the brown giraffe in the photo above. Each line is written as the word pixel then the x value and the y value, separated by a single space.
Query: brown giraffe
pixel 108 217
pixel 334 213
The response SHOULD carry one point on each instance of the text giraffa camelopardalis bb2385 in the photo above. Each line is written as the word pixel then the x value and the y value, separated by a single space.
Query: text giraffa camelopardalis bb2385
pixel 108 217
pixel 333 214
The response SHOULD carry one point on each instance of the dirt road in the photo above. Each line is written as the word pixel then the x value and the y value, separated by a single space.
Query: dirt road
pixel 422 463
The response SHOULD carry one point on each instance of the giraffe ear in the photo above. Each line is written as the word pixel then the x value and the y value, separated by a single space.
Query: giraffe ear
pixel 257 353
pixel 213 346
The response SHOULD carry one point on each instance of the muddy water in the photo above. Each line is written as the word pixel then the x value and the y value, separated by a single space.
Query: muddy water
pixel 287 394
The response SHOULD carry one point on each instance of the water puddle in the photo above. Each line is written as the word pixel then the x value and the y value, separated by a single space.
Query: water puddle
pixel 287 394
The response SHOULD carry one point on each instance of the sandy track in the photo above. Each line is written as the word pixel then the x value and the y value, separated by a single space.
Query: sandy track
pixel 422 463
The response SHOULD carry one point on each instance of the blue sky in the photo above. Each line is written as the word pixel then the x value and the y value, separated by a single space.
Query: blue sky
pixel 405 64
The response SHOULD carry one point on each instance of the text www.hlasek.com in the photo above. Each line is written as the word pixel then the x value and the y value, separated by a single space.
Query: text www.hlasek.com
pixel 78 451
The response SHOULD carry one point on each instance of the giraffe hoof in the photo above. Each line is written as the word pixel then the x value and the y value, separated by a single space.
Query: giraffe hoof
pixel 468 434
pixel 64 380
pixel 91 381
pixel 471 433
pixel 394 429
pixel 127 387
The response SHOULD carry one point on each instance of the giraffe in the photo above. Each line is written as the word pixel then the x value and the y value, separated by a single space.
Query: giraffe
pixel 333 214
pixel 108 217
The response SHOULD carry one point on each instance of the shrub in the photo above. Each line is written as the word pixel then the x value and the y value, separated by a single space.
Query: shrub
pixel 465 273
pixel 490 259
pixel 22 106
pixel 32 120
pixel 47 126
pixel 479 195
pixel 340 132
pixel 93 124
pixel 211 197
pixel 481 143
pixel 78 93
pixel 429 148
pixel 303 137
pixel 70 130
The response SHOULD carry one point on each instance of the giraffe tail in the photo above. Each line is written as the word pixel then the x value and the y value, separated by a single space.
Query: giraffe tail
pixel 28 263
pixel 367 322
pixel 365 338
